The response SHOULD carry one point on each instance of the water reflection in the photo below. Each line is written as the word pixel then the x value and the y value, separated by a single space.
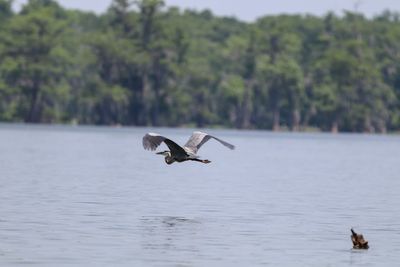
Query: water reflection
pixel 166 230
pixel 358 257
pixel 166 237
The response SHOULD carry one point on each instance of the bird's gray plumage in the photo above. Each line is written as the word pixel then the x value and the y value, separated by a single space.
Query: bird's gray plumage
pixel 177 153
pixel 152 140
pixel 199 138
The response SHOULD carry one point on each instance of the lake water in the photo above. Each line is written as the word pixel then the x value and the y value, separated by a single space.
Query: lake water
pixel 91 196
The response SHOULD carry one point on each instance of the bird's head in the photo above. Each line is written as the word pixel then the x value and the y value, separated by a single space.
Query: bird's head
pixel 168 158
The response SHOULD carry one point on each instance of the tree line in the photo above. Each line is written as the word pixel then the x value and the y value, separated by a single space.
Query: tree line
pixel 143 63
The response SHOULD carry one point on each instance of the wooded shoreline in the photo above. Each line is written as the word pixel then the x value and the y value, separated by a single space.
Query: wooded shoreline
pixel 147 64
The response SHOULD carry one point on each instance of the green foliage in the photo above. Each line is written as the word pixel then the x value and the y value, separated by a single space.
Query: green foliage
pixel 5 10
pixel 31 64
pixel 142 63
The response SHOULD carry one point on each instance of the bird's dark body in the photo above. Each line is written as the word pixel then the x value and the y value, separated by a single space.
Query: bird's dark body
pixel 358 241
pixel 183 160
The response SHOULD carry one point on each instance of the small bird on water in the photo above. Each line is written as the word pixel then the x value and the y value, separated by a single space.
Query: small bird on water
pixel 358 240
pixel 179 153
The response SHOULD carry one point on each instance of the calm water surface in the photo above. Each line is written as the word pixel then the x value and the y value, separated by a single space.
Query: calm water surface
pixel 87 196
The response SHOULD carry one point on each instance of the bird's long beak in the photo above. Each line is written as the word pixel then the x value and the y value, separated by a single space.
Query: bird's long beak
pixel 163 153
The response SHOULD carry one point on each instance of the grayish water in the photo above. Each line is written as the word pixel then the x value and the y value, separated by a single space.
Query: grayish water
pixel 87 196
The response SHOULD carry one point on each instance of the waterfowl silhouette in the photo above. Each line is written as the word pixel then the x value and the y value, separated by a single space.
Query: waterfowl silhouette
pixel 358 240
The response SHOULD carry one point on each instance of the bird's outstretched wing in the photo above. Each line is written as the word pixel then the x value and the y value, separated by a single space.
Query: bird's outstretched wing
pixel 152 140
pixel 199 138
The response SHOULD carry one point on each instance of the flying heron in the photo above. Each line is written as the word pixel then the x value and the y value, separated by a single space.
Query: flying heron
pixel 178 153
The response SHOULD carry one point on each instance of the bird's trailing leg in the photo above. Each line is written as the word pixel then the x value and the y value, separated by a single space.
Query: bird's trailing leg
pixel 201 160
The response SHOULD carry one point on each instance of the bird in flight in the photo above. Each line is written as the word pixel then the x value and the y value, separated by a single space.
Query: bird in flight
pixel 177 153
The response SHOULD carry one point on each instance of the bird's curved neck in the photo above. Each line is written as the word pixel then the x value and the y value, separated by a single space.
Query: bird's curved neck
pixel 168 158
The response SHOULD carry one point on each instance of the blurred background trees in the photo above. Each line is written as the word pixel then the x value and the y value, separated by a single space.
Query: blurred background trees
pixel 142 63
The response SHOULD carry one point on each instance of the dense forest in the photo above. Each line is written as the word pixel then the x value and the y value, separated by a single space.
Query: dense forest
pixel 146 64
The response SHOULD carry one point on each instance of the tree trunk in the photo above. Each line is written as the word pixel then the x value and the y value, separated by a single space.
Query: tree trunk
pixel 382 126
pixel 33 115
pixel 243 118
pixel 143 117
pixel 157 95
pixel 276 119
pixel 368 127
pixel 335 127
pixel 296 120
